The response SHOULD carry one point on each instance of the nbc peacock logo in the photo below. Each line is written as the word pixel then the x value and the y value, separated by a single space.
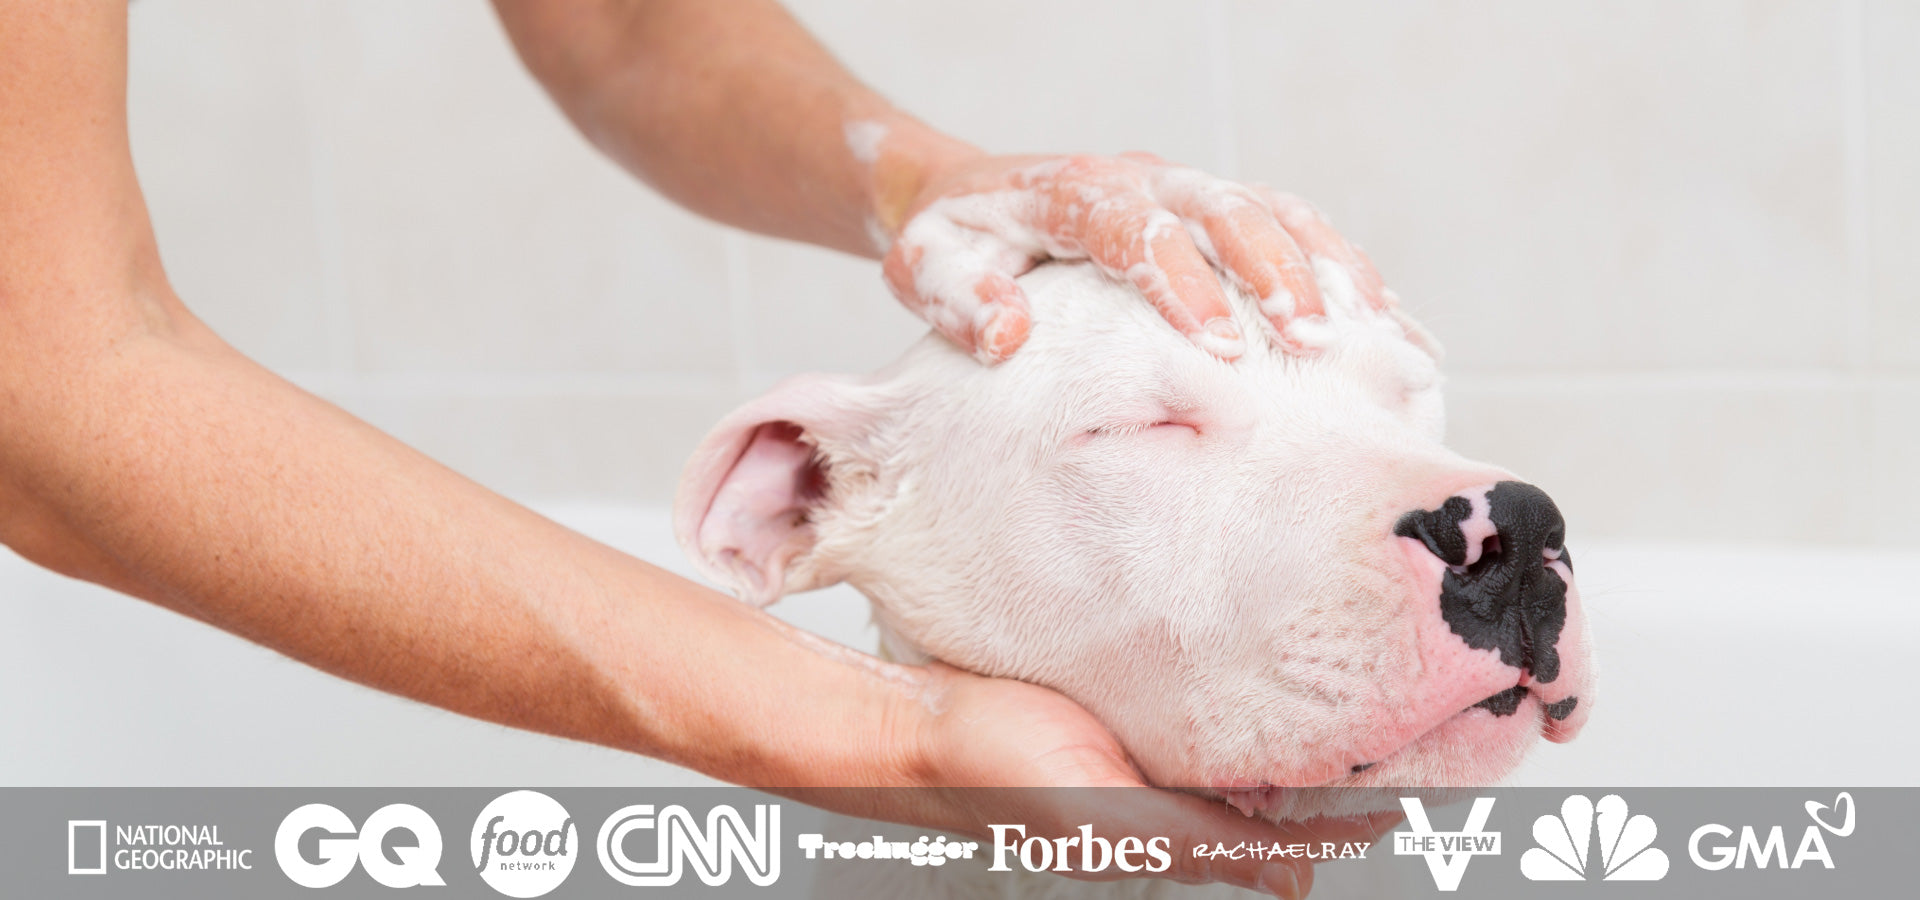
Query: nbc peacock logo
pixel 1625 852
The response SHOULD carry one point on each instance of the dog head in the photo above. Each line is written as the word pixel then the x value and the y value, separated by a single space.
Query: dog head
pixel 1259 574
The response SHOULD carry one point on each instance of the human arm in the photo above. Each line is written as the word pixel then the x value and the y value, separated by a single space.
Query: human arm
pixel 733 110
pixel 139 451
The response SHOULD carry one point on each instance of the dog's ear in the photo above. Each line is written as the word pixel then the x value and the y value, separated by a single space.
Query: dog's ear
pixel 751 495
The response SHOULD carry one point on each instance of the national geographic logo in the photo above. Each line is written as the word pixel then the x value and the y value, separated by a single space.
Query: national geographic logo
pixel 150 848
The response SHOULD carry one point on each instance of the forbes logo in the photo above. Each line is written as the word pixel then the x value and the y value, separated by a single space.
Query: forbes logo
pixel 523 844
pixel 341 847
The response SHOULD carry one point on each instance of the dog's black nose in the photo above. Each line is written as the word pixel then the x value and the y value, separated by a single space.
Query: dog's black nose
pixel 1499 592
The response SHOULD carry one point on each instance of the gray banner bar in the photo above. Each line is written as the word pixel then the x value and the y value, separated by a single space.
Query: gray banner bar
pixel 626 842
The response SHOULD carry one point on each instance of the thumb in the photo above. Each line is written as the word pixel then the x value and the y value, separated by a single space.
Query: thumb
pixel 961 282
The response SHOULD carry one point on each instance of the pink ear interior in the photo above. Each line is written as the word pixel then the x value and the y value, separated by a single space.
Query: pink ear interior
pixel 750 496
pixel 757 520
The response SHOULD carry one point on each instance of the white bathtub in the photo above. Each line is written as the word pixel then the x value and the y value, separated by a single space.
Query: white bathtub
pixel 1718 666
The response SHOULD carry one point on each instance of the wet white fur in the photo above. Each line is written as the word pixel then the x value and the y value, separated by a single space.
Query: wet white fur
pixel 1227 602
pixel 1211 599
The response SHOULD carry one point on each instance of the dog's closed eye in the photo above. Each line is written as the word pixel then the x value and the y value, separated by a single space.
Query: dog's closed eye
pixel 1165 428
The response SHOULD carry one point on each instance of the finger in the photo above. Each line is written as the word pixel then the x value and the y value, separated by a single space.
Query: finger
pixel 1244 239
pixel 961 283
pixel 1129 236
pixel 1320 242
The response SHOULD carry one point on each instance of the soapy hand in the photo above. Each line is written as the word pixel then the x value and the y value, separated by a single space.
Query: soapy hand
pixel 1163 228
pixel 991 733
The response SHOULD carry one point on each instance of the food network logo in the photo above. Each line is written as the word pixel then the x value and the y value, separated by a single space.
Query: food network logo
pixel 1447 852
pixel 679 839
pixel 1626 844
pixel 523 844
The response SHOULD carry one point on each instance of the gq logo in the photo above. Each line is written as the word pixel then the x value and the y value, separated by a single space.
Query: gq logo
pixel 678 838
pixel 342 846
pixel 524 843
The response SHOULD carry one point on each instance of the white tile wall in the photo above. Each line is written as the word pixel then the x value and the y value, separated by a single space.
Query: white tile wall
pixel 1666 242
pixel 478 231
pixel 1891 83
pixel 1892 480
pixel 534 438
pixel 224 145
pixel 1591 186
pixel 1695 457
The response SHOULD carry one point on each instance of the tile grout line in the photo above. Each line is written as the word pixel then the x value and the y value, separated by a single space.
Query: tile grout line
pixel 1856 186
pixel 739 308
pixel 1698 380
pixel 342 351
pixel 1859 248
pixel 547 383
pixel 511 384
pixel 1219 47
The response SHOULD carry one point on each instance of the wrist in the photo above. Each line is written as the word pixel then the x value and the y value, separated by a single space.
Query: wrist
pixel 900 747
pixel 872 733
pixel 907 160
pixel 907 720
pixel 824 715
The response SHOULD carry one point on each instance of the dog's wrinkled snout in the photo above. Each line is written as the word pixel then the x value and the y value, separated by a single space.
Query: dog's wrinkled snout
pixel 1505 587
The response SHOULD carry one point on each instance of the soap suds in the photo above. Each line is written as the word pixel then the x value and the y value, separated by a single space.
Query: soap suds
pixel 957 242
pixel 877 233
pixel 1337 290
pixel 864 139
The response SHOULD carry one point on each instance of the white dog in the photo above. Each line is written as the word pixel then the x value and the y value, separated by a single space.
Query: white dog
pixel 1260 575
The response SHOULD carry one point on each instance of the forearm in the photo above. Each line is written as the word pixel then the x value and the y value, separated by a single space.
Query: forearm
pixel 734 111
pixel 139 451
pixel 172 468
